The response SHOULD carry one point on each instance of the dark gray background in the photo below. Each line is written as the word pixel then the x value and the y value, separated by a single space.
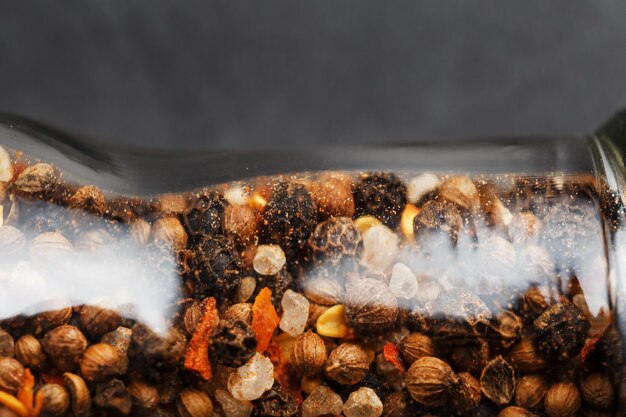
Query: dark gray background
pixel 198 74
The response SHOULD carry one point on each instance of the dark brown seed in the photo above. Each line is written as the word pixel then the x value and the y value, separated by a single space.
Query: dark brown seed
pixel 79 394
pixel 516 412
pixel 471 357
pixel 206 214
pixel 334 240
pixel 370 306
pixel 11 374
pixel 154 355
pixel 506 329
pixel 113 397
pixel 289 217
pixel 398 404
pixel 382 195
pixel 232 344
pixel 497 381
pixel 333 198
pixel 96 321
pixel 50 319
pixel 562 400
pixel 89 199
pixel 275 403
pixel 562 329
pixel 429 381
pixel 55 400
pixel 309 354
pixel 241 221
pixel 437 218
pixel 347 364
pixel 38 181
pixel 525 357
pixel 100 362
pixel 597 391
pixel 535 301
pixel 216 267
pixel 29 351
pixel 64 346
pixel 7 344
pixel 530 391
pixel 416 345
pixel 467 394
pixel 461 304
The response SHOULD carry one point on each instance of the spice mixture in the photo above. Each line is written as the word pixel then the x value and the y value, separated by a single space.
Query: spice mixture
pixel 333 294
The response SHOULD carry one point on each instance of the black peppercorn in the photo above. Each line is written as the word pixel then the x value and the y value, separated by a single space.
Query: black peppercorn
pixel 335 240
pixel 382 195
pixel 232 344
pixel 289 217
pixel 153 355
pixel 275 403
pixel 206 214
pixel 216 267
pixel 562 329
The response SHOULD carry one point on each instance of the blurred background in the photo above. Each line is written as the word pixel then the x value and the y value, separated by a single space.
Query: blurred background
pixel 232 73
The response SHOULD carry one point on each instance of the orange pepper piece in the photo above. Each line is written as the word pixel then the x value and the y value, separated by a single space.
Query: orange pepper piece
pixel 392 354
pixel 197 354
pixel 264 319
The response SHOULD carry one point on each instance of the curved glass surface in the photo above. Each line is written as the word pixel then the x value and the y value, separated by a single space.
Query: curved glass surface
pixel 426 279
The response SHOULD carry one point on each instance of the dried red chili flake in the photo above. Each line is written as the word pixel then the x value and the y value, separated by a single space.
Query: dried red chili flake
pixel 264 319
pixel 197 354
pixel 286 375
pixel 392 354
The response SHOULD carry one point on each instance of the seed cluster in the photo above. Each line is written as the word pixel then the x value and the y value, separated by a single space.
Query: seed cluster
pixel 336 294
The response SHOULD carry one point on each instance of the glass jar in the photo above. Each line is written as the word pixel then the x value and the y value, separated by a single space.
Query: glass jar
pixel 478 278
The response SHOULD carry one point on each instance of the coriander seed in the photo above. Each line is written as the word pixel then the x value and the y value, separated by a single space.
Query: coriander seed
pixel 100 362
pixel 497 381
pixel 29 352
pixel 562 400
pixel 597 391
pixel 55 400
pixel 79 394
pixel 415 346
pixel 530 391
pixel 11 374
pixel 64 346
pixel 429 381
pixel 347 364
pixel 194 403
pixel 309 354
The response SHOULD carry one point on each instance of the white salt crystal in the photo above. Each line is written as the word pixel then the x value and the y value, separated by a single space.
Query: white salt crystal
pixel 295 313
pixel 363 403
pixel 235 195
pixel 269 259
pixel 380 248
pixel 6 167
pixel 403 283
pixel 421 185
pixel 251 380
pixel 231 406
